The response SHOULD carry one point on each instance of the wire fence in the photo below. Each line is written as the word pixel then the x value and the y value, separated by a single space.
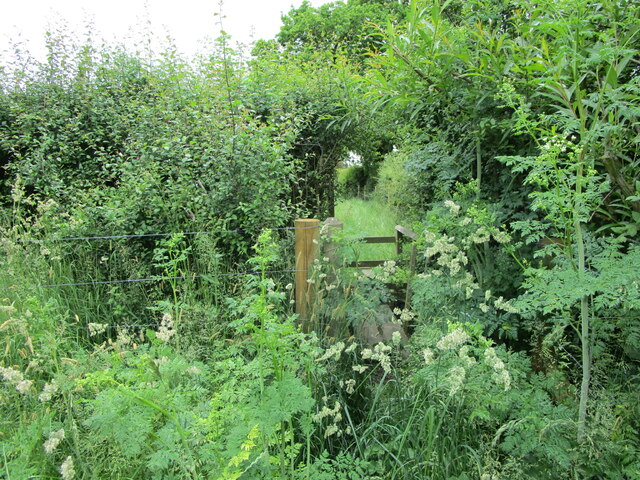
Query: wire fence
pixel 239 231
pixel 157 279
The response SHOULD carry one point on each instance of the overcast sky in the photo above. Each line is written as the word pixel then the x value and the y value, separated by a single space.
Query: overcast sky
pixel 187 21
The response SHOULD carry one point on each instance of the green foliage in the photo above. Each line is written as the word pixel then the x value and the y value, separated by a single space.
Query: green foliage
pixel 352 182
pixel 472 115
pixel 467 271
pixel 341 28
pixel 392 187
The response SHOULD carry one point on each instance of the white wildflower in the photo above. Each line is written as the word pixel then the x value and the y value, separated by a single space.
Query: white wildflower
pixel 66 469
pixel 463 353
pixel 481 235
pixel 500 374
pixel 502 304
pixel 465 221
pixel 331 430
pixel 123 339
pixel 48 391
pixel 404 315
pixel 350 386
pixel 11 375
pixel 24 386
pixel 53 441
pixel 428 355
pixel 351 348
pixel 456 379
pixel 96 328
pixel 503 378
pixel 289 286
pixel 359 368
pixel 333 351
pixel 501 237
pixel 166 330
pixel 484 307
pixel 453 207
pixel 380 353
pixel 453 340
pixel 328 412
pixel 396 338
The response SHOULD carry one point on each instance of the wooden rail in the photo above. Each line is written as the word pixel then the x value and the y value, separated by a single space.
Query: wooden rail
pixel 400 238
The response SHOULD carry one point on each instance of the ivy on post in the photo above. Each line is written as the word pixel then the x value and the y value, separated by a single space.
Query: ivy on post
pixel 307 235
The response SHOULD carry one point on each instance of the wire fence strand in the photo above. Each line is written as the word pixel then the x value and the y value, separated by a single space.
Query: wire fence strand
pixel 241 230
pixel 159 279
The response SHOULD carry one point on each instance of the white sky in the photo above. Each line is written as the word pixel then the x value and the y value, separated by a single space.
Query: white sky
pixel 189 22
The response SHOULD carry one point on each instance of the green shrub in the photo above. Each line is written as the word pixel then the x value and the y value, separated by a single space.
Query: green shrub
pixel 352 181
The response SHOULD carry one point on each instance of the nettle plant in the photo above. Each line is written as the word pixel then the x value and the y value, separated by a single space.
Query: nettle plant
pixel 461 249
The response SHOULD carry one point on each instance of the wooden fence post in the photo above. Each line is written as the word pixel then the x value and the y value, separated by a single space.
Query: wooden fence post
pixel 307 236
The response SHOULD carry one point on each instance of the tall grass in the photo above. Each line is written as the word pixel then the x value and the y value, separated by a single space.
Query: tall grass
pixel 368 218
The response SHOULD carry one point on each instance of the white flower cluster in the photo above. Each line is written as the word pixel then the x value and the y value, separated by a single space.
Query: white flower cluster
pixel 500 374
pixel 336 417
pixel 428 355
pixel 66 469
pixel 441 245
pixel 481 235
pixel 123 339
pixel 404 315
pixel 48 391
pixel 350 386
pixel 453 340
pixel 463 353
pixel 53 441
pixel 96 328
pixel 501 237
pixel 383 274
pixel 502 304
pixel 468 284
pixel 456 376
pixel 450 256
pixel 351 348
pixel 465 221
pixel 380 353
pixel 334 351
pixel 8 309
pixel 453 207
pixel 166 330
pixel 16 378
pixel 360 368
